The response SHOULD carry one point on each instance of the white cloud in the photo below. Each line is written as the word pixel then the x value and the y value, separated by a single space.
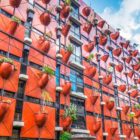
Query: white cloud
pixel 127 18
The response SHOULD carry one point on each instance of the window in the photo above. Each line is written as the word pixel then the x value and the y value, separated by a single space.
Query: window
pixel 77 81
pixel 75 30
pixel 75 10
pixel 76 56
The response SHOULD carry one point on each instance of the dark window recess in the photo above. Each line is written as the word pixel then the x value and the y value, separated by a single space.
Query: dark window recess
pixel 75 30
pixel 35 65
pixel 23 69
pixel 16 134
pixel 77 53
pixel 75 10
pixel 21 87
pixel 28 31
pixel 14 57
pixel 25 55
pixel 77 81
pixel 3 53
pixel 80 123
pixel 9 94
pixel 34 100
pixel 30 15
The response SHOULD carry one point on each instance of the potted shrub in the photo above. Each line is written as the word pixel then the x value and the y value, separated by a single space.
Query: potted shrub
pixel 131 115
pixel 66 88
pixel 117 52
pixel 4 106
pixel 105 57
pixel 65 136
pixel 89 47
pixel 86 11
pixel 101 24
pixel 66 28
pixel 122 87
pixel 102 40
pixel 66 53
pixel 126 109
pixel 137 110
pixel 94 98
pixel 115 35
pixel 66 8
pixel 119 67
pixel 45 18
pixel 41 116
pixel 46 1
pixel 6 67
pixel 46 72
pixel 69 116
pixel 110 103
pixel 97 125
pixel 13 25
pixel 15 3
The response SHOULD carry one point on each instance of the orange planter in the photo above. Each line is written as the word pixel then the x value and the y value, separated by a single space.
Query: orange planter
pixel 105 57
pixel 66 88
pixel 43 80
pixel 45 18
pixel 93 98
pixel 117 52
pixel 125 45
pixel 137 132
pixel 12 27
pixel 137 113
pixel 115 36
pixel 87 28
pixel 113 130
pixel 126 109
pixel 130 74
pixel 97 126
pixel 4 106
pixel 119 67
pixel 138 81
pixel 134 93
pixel 128 59
pixel 15 3
pixel 86 11
pixel 66 123
pixel 40 119
pixel 101 23
pixel 122 88
pixel 110 105
pixel 128 132
pixel 107 79
pixel 134 53
pixel 102 40
pixel 6 70
pixel 65 29
pixel 89 47
pixel 66 55
pixel 65 11
pixel 90 71
pixel 46 1
pixel 136 67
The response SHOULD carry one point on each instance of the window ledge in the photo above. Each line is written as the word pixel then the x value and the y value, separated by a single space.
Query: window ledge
pixel 83 136
pixel 28 40
pixel 77 65
pixel 23 77
pixel 58 128
pixel 18 123
pixel 75 20
pixel 84 131
pixel 118 108
pixel 75 39
pixel 122 136
pixel 105 134
pixel 78 94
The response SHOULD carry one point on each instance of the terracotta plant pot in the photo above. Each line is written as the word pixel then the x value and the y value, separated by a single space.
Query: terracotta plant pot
pixel 128 59
pixel 138 81
pixel 107 79
pixel 93 98
pixel 66 123
pixel 86 11
pixel 65 11
pixel 45 18
pixel 65 29
pixel 43 44
pixel 89 47
pixel 4 106
pixel 66 55
pixel 110 105
pixel 40 119
pixel 66 88
pixel 137 113
pixel 128 132
pixel 134 93
pixel 6 70
pixel 90 71
pixel 12 27
pixel 43 80
pixel 87 28
pixel 130 74
pixel 122 87
pixel 119 67
pixel 117 52
pixel 114 36
pixel 134 53
pixel 102 40
pixel 126 109
pixel 15 3
pixel 125 45
pixel 46 1
pixel 97 126
pixel 101 24
pixel 136 67
pixel 137 132
pixel 105 57
pixel 113 130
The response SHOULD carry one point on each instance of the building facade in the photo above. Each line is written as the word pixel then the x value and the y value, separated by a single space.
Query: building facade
pixel 94 68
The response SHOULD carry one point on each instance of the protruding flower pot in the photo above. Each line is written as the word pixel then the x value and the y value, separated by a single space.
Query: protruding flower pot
pixel 96 126
pixel 94 98
pixel 65 11
pixel 43 80
pixel 4 106
pixel 136 67
pixel 122 87
pixel 66 123
pixel 43 44
pixel 15 3
pixel 128 59
pixel 137 132
pixel 90 71
pixel 137 113
pixel 107 79
pixel 128 132
pixel 46 1
pixel 134 93
pixel 110 104
pixel 40 119
pixel 65 29
pixel 117 52
pixel 113 130
pixel 101 24
pixel 119 67
pixel 86 11
pixel 105 57
pixel 87 28
pixel 45 18
pixel 134 53
pixel 89 47
pixel 125 45
pixel 66 88
pixel 126 109
pixel 114 36
pixel 102 40
pixel 130 74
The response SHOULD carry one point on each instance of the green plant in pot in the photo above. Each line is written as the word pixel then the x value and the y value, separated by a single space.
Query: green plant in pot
pixel 131 115
pixel 65 136
pixel 46 72
pixel 69 116
pixel 90 57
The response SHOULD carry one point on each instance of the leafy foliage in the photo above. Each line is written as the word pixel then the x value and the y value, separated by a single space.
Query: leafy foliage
pixel 15 19
pixel 48 70
pixel 70 48
pixel 90 57
pixel 7 60
pixel 137 106
pixel 131 115
pixel 65 136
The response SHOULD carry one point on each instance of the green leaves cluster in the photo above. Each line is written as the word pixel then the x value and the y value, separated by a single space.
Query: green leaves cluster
pixel 65 136
pixel 48 70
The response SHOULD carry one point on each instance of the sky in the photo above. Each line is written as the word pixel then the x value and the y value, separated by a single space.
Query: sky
pixel 123 14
